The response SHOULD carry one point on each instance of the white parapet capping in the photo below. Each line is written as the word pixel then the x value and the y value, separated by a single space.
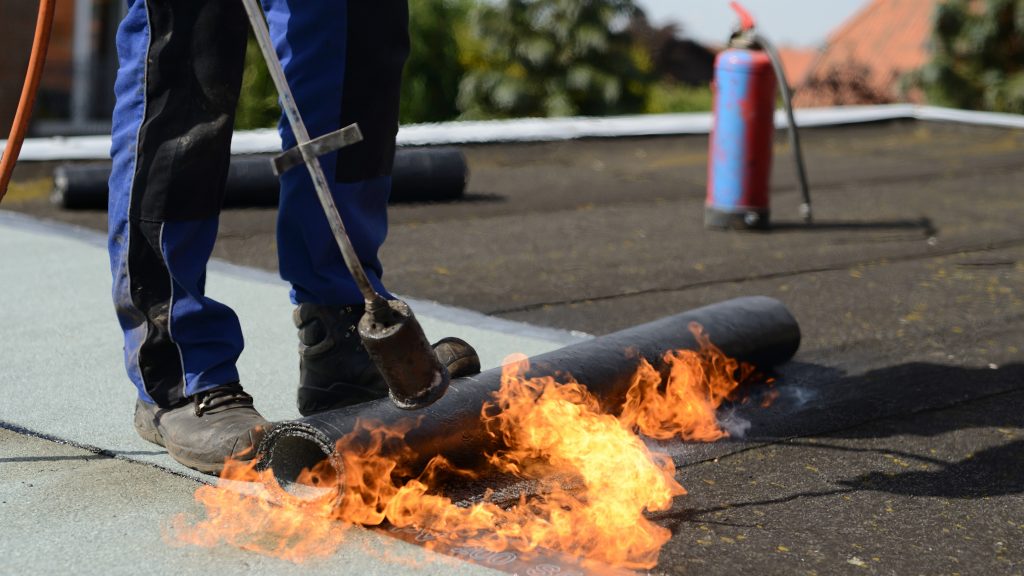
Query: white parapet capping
pixel 555 129
pixel 64 148
pixel 267 141
pixel 261 141
pixel 936 114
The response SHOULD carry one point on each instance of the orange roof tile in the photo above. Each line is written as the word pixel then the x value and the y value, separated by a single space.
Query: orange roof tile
pixel 882 42
pixel 797 63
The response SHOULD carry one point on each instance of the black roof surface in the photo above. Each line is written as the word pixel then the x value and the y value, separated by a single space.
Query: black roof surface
pixel 897 445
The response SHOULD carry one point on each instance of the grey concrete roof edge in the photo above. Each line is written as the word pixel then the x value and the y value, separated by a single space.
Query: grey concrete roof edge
pixel 436 310
pixel 267 141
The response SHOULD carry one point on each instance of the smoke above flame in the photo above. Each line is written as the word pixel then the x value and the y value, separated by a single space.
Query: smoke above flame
pixel 595 477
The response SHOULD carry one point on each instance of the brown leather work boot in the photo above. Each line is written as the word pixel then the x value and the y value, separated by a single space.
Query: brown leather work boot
pixel 202 434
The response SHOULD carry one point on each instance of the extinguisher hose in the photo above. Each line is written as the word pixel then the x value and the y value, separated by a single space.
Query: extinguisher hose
pixel 41 42
pixel 794 134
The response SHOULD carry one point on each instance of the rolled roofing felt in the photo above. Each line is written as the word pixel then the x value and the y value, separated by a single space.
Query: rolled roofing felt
pixel 758 330
pixel 431 174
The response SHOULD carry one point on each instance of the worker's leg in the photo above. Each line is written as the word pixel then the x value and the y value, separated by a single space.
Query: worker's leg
pixel 178 82
pixel 343 60
pixel 180 73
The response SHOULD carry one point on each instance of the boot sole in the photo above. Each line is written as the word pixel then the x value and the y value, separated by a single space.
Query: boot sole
pixel 198 465
pixel 207 467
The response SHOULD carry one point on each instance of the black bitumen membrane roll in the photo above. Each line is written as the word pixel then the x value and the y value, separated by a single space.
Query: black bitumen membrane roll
pixel 758 330
pixel 429 175
pixel 419 175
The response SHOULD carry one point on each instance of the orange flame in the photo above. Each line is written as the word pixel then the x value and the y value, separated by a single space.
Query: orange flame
pixel 684 403
pixel 248 510
pixel 606 478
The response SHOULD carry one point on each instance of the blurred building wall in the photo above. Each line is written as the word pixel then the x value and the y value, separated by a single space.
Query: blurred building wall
pixel 76 91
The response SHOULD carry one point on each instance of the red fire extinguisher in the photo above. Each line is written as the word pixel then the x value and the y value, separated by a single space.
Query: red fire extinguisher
pixel 740 158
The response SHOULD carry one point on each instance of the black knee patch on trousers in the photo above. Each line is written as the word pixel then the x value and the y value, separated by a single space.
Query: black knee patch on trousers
pixel 193 78
pixel 378 45
pixel 159 358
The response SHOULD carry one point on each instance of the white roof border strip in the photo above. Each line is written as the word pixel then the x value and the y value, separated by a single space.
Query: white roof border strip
pixel 266 141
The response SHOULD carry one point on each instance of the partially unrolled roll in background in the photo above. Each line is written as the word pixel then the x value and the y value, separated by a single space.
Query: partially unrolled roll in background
pixel 758 330
pixel 434 174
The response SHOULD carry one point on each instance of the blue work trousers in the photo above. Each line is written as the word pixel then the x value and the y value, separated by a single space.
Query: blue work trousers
pixel 177 87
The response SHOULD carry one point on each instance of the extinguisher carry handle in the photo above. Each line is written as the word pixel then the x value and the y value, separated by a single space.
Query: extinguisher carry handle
pixel 746 20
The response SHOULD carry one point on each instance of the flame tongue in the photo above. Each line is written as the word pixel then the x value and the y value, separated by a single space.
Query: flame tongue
pixel 260 517
pixel 684 403
pixel 559 427
pixel 550 429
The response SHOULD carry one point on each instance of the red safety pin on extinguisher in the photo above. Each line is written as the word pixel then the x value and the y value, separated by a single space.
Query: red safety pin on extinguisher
pixel 739 163
pixel 44 24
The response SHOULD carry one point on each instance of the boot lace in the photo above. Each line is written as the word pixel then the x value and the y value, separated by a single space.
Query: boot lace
pixel 222 398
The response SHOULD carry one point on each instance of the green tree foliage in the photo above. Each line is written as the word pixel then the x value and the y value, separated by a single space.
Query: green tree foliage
pixel 552 58
pixel 257 107
pixel 978 56
pixel 515 58
pixel 672 97
pixel 683 68
pixel 431 83
pixel 431 79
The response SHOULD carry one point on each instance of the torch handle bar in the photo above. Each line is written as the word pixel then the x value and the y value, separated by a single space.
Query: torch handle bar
pixel 308 153
pixel 40 44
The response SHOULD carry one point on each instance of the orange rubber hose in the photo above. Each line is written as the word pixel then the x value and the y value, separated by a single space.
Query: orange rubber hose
pixel 44 25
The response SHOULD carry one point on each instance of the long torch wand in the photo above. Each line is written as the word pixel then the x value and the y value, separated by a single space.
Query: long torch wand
pixel 389 331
